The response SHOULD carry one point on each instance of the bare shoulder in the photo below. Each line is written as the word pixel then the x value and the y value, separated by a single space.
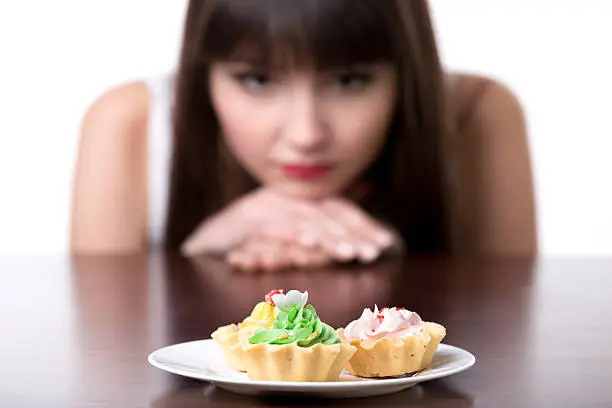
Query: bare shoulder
pixel 490 119
pixel 109 197
pixel 124 106
pixel 115 127
pixel 484 101
pixel 496 171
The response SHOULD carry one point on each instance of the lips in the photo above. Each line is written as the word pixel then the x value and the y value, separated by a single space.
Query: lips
pixel 306 171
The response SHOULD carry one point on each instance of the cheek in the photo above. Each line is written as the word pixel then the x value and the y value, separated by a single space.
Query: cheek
pixel 246 131
pixel 362 130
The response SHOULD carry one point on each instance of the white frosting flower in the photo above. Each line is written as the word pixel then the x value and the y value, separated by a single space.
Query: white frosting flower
pixel 293 297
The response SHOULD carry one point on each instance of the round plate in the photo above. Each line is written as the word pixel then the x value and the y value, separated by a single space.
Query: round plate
pixel 204 360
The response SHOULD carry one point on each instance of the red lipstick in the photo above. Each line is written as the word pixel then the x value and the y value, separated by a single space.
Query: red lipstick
pixel 306 171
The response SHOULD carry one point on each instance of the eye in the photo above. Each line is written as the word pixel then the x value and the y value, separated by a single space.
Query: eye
pixel 352 80
pixel 254 81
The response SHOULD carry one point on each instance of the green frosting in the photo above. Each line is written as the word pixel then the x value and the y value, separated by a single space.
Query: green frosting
pixel 296 325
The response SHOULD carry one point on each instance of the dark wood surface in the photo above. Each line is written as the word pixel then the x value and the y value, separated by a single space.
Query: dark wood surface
pixel 77 332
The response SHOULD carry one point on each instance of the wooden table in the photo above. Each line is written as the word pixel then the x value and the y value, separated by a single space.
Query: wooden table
pixel 77 332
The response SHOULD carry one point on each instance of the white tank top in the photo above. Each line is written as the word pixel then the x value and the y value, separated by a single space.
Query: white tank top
pixel 161 100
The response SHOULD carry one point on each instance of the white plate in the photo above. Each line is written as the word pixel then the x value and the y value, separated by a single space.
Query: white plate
pixel 203 360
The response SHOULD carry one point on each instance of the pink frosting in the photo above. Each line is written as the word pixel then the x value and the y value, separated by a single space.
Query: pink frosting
pixel 393 322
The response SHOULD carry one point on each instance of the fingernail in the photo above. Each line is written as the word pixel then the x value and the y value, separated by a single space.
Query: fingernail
pixel 307 239
pixel 345 250
pixel 369 253
pixel 300 260
pixel 385 239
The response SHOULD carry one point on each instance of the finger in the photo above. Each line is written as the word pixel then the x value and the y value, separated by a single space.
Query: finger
pixel 272 260
pixel 248 256
pixel 241 260
pixel 269 254
pixel 316 236
pixel 273 216
pixel 297 255
pixel 359 233
pixel 331 235
pixel 301 221
pixel 234 257
pixel 318 258
pixel 356 218
pixel 314 227
pixel 363 234
pixel 250 263
pixel 308 226
pixel 340 247
pixel 281 229
pixel 307 257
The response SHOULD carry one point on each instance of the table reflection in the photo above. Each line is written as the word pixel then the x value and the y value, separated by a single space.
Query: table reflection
pixel 433 393
pixel 111 296
pixel 219 295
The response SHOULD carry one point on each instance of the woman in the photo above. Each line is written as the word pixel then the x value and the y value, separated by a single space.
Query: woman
pixel 302 133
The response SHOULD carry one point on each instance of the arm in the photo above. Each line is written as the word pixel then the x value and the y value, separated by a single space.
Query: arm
pixel 503 186
pixel 109 197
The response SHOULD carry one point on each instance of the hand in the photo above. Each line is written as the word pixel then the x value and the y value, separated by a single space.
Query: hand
pixel 338 226
pixel 261 210
pixel 268 254
pixel 348 233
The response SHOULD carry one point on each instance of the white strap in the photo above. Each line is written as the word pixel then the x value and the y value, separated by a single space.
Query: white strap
pixel 159 154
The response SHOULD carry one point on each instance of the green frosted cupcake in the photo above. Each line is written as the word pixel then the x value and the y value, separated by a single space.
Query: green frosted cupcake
pixel 298 346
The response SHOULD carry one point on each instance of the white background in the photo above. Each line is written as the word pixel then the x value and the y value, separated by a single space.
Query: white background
pixel 56 56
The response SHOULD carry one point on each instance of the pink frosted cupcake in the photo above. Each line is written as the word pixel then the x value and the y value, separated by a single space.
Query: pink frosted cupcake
pixel 392 341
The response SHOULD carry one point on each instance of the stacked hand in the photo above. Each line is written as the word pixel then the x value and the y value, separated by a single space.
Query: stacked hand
pixel 265 230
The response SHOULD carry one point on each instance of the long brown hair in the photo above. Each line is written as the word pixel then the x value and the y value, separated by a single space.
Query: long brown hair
pixel 408 174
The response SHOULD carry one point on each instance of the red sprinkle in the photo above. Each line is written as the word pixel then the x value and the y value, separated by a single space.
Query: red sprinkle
pixel 268 297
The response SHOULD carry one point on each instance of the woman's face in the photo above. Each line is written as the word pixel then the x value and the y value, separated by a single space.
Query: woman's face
pixel 304 133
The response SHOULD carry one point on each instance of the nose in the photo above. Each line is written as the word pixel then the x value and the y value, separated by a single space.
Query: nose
pixel 305 128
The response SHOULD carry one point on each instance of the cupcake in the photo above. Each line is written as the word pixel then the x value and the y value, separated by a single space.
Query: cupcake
pixel 390 342
pixel 230 337
pixel 298 346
